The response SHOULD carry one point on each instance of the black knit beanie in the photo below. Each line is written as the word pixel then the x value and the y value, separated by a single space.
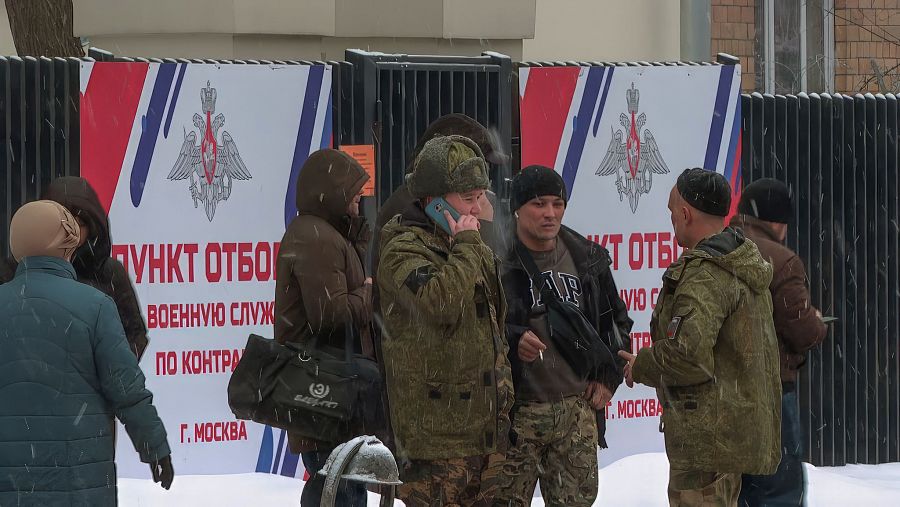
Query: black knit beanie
pixel 767 199
pixel 535 181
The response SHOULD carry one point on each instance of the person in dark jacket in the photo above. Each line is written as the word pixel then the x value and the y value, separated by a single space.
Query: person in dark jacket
pixel 765 209
pixel 92 260
pixel 559 417
pixel 321 287
pixel 66 372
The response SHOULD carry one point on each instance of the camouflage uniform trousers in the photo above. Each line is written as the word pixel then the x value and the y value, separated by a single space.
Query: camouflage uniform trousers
pixel 693 488
pixel 556 442
pixel 460 482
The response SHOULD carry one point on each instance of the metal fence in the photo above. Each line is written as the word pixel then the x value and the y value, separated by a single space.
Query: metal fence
pixel 839 155
pixel 39 129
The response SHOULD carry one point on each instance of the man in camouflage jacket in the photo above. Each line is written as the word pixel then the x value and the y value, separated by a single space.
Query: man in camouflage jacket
pixel 714 359
pixel 445 353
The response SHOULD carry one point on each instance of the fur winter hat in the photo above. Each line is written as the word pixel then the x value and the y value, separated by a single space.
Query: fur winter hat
pixel 448 164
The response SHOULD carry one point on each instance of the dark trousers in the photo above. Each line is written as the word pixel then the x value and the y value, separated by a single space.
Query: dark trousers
pixel 788 485
pixel 350 494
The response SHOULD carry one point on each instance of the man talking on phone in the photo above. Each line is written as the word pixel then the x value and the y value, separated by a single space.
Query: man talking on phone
pixel 445 353
pixel 559 416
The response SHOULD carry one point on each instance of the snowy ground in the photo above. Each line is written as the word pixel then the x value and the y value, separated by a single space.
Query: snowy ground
pixel 637 480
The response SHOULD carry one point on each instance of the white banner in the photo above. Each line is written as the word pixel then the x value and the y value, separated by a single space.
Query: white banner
pixel 620 136
pixel 194 164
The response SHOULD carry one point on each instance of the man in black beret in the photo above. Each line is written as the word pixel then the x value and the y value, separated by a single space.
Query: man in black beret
pixel 765 210
pixel 714 359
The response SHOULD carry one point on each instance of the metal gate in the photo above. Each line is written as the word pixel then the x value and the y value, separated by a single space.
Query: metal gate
pixel 396 97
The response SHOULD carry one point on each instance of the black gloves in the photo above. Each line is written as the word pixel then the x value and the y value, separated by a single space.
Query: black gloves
pixel 163 472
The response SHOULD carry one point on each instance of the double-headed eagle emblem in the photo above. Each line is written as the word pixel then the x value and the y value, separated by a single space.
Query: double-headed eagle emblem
pixel 634 161
pixel 210 165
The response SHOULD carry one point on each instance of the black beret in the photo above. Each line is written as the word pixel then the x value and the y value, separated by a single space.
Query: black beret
pixel 707 191
pixel 535 181
pixel 767 199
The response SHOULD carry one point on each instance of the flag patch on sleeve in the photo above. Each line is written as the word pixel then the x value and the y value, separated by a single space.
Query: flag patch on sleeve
pixel 673 328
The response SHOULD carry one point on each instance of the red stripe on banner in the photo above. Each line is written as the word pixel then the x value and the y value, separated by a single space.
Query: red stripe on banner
pixel 735 179
pixel 544 111
pixel 108 108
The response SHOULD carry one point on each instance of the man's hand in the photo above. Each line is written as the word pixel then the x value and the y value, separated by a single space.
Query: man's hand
pixel 465 223
pixel 487 209
pixel 162 471
pixel 629 378
pixel 367 281
pixel 530 346
pixel 598 395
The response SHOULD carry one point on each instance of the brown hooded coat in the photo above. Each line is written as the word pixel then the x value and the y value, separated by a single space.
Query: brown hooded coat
pixel 798 327
pixel 320 282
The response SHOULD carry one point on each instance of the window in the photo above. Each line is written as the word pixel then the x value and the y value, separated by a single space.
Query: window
pixel 794 46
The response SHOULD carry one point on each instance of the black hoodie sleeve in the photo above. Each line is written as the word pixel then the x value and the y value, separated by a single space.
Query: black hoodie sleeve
pixel 122 292
pixel 621 329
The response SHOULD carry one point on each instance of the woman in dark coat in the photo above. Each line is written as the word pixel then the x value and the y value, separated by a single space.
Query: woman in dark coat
pixel 65 373
pixel 92 260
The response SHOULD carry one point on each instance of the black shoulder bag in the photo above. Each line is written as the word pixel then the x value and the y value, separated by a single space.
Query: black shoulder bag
pixel 576 339
pixel 320 393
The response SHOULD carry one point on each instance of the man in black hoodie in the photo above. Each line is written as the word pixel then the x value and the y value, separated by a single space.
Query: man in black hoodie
pixel 92 260
pixel 559 416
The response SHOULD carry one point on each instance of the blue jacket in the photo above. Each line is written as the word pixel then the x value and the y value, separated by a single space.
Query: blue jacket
pixel 65 372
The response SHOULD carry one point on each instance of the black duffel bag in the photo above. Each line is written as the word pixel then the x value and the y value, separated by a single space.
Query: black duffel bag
pixel 316 392
pixel 577 340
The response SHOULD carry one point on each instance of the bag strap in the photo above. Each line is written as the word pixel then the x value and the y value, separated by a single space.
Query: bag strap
pixel 534 273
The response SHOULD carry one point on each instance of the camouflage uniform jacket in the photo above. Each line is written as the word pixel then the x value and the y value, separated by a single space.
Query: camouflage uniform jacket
pixel 445 352
pixel 714 360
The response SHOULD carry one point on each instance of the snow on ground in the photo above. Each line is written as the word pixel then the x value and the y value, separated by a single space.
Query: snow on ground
pixel 634 481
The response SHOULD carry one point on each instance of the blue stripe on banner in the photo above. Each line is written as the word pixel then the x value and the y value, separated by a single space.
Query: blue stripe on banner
pixel 264 461
pixel 278 453
pixel 599 115
pixel 581 125
pixel 289 467
pixel 327 126
pixel 174 99
pixel 304 138
pixel 732 144
pixel 717 125
pixel 150 130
